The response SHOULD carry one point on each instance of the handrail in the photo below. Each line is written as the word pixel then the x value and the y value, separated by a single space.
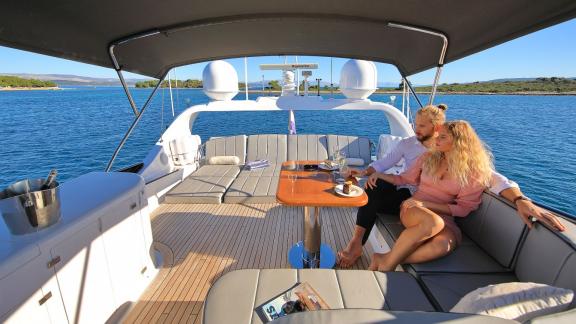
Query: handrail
pixel 440 60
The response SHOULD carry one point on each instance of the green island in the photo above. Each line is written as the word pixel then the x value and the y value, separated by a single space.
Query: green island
pixel 553 85
pixel 16 83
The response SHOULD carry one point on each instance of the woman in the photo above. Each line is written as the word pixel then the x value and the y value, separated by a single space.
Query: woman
pixel 450 180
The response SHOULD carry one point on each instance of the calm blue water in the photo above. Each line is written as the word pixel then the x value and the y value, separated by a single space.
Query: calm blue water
pixel 76 131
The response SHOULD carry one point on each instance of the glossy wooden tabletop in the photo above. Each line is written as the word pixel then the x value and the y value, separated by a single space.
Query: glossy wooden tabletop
pixel 312 188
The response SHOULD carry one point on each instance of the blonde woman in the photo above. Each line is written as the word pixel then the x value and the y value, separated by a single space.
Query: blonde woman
pixel 384 197
pixel 450 180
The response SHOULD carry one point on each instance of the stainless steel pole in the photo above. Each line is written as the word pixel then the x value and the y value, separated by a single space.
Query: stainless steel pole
pixel 440 60
pixel 413 92
pixel 312 237
pixel 134 123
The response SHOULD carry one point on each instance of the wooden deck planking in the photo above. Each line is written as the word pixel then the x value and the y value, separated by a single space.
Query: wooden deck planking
pixel 209 240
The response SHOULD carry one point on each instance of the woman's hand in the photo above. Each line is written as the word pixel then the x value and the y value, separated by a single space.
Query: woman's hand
pixel 411 202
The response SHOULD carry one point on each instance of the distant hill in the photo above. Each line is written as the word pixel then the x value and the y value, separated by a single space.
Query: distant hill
pixel 74 80
pixel 9 81
pixel 552 85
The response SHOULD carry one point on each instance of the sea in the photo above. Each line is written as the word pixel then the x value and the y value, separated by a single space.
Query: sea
pixel 75 130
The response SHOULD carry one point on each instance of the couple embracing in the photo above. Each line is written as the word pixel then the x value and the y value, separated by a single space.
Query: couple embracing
pixel 447 169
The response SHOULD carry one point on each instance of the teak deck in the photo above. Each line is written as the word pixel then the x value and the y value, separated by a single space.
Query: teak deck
pixel 205 241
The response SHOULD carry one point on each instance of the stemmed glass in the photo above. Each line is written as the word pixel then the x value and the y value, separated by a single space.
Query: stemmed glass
pixel 292 177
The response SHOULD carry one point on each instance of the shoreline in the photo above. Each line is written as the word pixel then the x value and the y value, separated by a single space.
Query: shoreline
pixel 28 88
pixel 528 93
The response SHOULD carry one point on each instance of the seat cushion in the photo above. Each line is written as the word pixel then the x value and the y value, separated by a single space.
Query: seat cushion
pixel 353 146
pixel 217 171
pixel 252 190
pixel 448 289
pixel 307 147
pixel 230 145
pixel 270 147
pixel 271 171
pixel 467 258
pixel 496 228
pixel 549 257
pixel 244 290
pixel 199 190
pixel 346 316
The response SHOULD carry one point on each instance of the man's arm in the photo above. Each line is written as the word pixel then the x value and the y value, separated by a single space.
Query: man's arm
pixel 385 163
pixel 526 209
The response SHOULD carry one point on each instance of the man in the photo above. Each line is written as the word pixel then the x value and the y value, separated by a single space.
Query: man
pixel 384 197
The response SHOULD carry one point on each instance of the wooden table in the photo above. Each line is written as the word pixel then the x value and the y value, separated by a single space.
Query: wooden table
pixel 312 190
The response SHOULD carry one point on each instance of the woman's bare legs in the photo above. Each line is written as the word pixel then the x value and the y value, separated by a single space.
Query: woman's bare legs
pixel 421 225
pixel 348 256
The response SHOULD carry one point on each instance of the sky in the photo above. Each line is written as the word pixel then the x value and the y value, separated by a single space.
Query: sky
pixel 546 53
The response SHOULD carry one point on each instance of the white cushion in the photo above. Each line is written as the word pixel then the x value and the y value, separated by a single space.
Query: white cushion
pixel 355 162
pixel 184 149
pixel 224 159
pixel 520 301
pixel 386 143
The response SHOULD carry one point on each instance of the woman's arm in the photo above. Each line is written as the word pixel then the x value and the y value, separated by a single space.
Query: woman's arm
pixel 467 200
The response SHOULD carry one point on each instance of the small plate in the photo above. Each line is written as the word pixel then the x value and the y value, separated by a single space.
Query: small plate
pixel 355 191
pixel 325 166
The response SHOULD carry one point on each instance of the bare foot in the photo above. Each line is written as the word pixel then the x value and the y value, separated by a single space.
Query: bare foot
pixel 348 256
pixel 379 263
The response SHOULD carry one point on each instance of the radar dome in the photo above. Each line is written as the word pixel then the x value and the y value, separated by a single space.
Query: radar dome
pixel 220 80
pixel 358 79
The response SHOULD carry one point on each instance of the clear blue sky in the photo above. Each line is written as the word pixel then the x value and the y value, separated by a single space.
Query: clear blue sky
pixel 549 52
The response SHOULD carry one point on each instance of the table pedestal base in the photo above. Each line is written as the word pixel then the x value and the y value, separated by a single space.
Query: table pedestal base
pixel 300 259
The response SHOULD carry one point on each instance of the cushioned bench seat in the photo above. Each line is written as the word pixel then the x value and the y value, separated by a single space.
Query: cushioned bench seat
pixel 496 248
pixel 252 190
pixel 490 237
pixel 241 291
pixel 467 258
pixel 199 190
pixel 208 184
pixel 347 316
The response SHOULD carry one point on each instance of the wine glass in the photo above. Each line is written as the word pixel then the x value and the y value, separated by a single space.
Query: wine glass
pixel 292 177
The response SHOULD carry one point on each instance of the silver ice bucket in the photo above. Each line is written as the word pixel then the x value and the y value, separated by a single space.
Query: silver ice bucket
pixel 26 208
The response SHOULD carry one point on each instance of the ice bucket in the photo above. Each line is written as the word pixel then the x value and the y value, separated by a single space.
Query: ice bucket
pixel 26 208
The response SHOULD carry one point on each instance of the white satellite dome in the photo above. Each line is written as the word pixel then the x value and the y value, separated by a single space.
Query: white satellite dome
pixel 358 79
pixel 220 80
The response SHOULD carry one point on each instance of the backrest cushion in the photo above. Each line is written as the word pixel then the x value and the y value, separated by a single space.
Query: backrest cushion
pixel 353 146
pixel 548 257
pixel 267 147
pixel 386 143
pixel 307 147
pixel 230 145
pixel 496 228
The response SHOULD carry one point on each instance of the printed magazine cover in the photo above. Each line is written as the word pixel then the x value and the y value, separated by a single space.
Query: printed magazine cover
pixel 302 297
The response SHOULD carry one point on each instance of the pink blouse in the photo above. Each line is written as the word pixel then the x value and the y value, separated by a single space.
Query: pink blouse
pixel 460 199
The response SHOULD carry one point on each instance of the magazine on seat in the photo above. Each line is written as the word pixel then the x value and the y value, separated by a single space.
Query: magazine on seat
pixel 300 298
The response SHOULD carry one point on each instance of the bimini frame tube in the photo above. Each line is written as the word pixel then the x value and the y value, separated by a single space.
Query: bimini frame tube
pixel 132 103
pixel 440 61
pixel 413 92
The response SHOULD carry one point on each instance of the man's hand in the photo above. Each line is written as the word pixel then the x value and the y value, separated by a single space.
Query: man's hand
pixel 526 209
pixel 372 179
pixel 357 173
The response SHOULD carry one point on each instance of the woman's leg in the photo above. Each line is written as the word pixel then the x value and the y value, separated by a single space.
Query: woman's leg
pixel 384 198
pixel 421 225
pixel 438 246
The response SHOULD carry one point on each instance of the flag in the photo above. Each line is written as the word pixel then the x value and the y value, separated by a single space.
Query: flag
pixel 291 124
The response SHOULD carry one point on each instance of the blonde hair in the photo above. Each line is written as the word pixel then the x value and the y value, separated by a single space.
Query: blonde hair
pixel 469 159
pixel 436 114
